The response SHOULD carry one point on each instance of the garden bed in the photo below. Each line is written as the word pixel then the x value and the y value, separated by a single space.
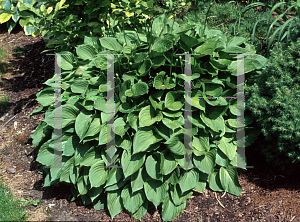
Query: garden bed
pixel 266 196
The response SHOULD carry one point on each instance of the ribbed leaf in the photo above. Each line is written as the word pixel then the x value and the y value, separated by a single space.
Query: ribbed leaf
pixel 206 163
pixel 229 181
pixel 131 163
pixel 114 203
pixel 111 44
pixel 153 167
pixel 98 174
pixel 132 201
pixel 155 191
pixel 192 176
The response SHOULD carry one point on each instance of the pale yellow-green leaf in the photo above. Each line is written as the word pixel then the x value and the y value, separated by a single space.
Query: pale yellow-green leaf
pixel 4 17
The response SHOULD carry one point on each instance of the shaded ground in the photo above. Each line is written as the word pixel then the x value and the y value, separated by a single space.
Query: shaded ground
pixel 266 196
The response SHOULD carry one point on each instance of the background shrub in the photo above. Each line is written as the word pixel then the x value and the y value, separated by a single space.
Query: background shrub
pixel 274 100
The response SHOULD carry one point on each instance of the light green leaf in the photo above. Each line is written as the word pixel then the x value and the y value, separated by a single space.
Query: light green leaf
pixel 173 123
pixel 137 180
pixel 170 102
pixel 188 180
pixel 121 127
pixel 98 174
pixel 214 181
pixel 111 44
pixel 153 167
pixel 85 52
pixel 131 163
pixel 229 181
pixel 155 191
pixel 227 146
pixel 206 163
pixel 170 210
pixel 82 123
pixel 167 164
pixel 175 145
pixel 142 140
pixel 114 203
pixel 179 197
pixel 162 45
pixel 217 125
pixel 80 86
pixel 132 201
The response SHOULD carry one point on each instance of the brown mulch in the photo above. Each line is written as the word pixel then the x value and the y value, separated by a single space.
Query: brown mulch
pixel 266 196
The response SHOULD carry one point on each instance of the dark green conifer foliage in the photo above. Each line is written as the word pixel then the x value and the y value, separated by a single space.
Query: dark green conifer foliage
pixel 274 101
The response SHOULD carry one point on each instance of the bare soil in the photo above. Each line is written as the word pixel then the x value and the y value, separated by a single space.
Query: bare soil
pixel 266 195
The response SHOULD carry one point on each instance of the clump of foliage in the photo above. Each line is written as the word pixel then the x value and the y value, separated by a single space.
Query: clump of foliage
pixel 274 100
pixel 148 119
pixel 11 209
pixel 226 17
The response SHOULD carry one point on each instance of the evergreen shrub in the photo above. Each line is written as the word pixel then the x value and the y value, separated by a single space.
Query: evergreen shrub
pixel 274 101
pixel 149 118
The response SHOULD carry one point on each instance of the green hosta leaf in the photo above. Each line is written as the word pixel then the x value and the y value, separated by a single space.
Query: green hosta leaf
pixel 141 211
pixel 94 128
pixel 139 89
pixel 175 145
pixel 155 191
pixel 114 203
pixel 214 181
pixel 114 175
pixel 170 210
pixel 91 157
pixel 236 40
pixel 173 123
pixel 145 67
pixel 216 102
pixel 179 197
pixel 232 123
pixel 132 201
pixel 213 112
pixel 229 181
pixel 192 176
pixel 158 61
pixel 120 126
pixel 167 164
pixel 111 44
pixel 201 142
pixel 82 123
pixel 95 192
pixel 100 104
pixel 189 41
pixel 213 89
pixel 46 96
pixel 80 86
pixel 170 102
pixel 103 138
pixel 173 178
pixel 206 163
pixel 172 113
pixel 71 145
pixel 207 48
pixel 222 159
pixel 147 116
pixel 69 114
pixel 132 119
pixel 152 166
pixel 131 163
pixel 200 186
pixel 227 146
pixel 163 131
pixel 142 140
pixel 234 49
pixel 162 45
pixel 137 180
pixel 216 125
pixel 98 174
pixel 139 57
pixel 85 52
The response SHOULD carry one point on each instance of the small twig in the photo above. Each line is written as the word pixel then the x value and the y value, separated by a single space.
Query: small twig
pixel 7 122
pixel 223 194
pixel 218 200
pixel 292 218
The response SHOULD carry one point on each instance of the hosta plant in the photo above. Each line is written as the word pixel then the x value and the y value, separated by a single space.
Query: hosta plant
pixel 149 118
